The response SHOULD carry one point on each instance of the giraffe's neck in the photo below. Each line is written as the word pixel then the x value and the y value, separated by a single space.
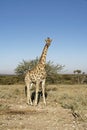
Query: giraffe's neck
pixel 43 55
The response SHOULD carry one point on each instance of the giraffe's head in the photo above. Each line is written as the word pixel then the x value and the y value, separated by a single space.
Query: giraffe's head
pixel 48 41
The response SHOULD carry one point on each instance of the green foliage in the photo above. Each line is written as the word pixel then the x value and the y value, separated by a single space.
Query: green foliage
pixel 77 71
pixel 79 77
pixel 11 79
pixel 51 79
pixel 51 69
pixel 25 65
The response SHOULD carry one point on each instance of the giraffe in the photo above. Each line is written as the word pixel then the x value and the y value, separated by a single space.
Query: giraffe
pixel 37 75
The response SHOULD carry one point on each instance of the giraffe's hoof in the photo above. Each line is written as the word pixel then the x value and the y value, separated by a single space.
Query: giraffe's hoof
pixel 29 103
pixel 35 104
pixel 45 103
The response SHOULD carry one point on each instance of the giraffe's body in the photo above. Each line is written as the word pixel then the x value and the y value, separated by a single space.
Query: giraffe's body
pixel 37 75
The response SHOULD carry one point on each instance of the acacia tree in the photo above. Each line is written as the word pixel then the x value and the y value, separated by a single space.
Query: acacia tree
pixel 83 78
pixel 78 72
pixel 51 69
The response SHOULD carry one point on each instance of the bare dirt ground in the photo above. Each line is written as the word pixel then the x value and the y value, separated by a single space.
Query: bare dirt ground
pixel 15 114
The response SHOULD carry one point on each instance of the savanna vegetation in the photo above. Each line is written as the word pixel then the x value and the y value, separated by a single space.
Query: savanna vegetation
pixel 55 79
pixel 53 74
pixel 66 108
pixel 66 100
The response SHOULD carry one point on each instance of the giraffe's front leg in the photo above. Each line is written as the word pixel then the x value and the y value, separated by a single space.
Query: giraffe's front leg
pixel 43 91
pixel 36 94
pixel 29 101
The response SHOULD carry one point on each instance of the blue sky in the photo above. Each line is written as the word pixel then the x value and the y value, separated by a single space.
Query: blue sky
pixel 24 24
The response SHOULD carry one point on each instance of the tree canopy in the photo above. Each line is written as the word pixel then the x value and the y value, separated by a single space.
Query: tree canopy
pixel 51 68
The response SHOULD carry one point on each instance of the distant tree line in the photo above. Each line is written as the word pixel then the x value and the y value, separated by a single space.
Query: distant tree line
pixel 57 79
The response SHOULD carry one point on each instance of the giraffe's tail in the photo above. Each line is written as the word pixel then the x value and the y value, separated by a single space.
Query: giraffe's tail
pixel 26 90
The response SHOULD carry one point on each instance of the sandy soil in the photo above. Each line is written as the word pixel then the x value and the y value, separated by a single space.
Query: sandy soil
pixel 20 116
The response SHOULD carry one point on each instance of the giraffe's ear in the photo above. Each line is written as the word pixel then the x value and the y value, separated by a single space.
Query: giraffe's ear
pixel 48 40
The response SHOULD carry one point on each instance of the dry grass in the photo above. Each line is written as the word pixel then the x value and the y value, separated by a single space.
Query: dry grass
pixel 66 104
pixel 73 97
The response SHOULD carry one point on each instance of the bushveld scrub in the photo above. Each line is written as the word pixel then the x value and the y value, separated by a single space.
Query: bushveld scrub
pixel 53 79
pixel 10 79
